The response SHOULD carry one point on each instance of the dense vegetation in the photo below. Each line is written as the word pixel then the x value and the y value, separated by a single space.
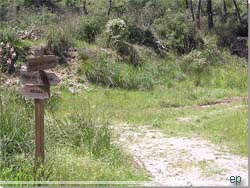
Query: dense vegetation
pixel 135 56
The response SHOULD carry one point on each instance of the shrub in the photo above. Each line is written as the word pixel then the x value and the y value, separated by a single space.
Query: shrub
pixel 116 31
pixel 177 33
pixel 211 67
pixel 12 50
pixel 227 38
pixel 105 72
pixel 59 40
pixel 145 37
pixel 89 28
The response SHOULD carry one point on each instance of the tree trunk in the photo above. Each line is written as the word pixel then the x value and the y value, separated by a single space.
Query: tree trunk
pixel 210 14
pixel 224 14
pixel 37 3
pixel 237 11
pixel 247 6
pixel 2 13
pixel 198 11
pixel 187 5
pixel 192 9
pixel 110 6
pixel 85 11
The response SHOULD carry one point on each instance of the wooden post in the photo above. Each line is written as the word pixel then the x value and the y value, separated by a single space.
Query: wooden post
pixel 39 133
pixel 37 86
pixel 39 128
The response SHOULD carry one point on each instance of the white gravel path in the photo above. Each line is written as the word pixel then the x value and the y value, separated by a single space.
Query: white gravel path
pixel 181 161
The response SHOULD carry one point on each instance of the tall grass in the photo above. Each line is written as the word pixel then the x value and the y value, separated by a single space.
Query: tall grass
pixel 79 131
pixel 16 137
pixel 77 146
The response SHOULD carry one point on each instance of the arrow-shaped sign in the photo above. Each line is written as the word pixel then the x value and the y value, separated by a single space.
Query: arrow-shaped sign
pixel 41 63
pixel 36 78
pixel 36 91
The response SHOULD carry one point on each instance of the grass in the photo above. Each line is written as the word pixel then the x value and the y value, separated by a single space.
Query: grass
pixel 78 147
pixel 159 92
pixel 79 140
pixel 163 106
pixel 70 165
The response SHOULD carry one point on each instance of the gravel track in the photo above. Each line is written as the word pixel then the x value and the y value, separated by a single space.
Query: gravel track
pixel 175 161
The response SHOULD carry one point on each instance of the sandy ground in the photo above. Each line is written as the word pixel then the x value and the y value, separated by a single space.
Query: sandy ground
pixel 175 161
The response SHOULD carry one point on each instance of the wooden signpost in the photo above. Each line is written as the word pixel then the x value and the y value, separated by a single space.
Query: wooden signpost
pixel 36 78
pixel 37 86
pixel 41 63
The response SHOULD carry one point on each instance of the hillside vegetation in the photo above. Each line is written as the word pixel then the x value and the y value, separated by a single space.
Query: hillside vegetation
pixel 140 62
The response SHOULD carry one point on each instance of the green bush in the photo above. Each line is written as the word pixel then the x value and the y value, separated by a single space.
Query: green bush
pixel 89 28
pixel 177 32
pixel 8 35
pixel 214 68
pixel 59 39
pixel 105 72
pixel 12 50
pixel 116 32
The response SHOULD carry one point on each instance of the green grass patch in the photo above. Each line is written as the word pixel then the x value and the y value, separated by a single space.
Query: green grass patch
pixel 78 146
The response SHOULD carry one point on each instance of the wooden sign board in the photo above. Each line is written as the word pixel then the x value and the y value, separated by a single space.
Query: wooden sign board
pixel 41 63
pixel 31 91
pixel 36 78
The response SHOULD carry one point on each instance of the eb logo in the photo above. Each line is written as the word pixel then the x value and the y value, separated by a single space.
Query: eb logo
pixel 235 180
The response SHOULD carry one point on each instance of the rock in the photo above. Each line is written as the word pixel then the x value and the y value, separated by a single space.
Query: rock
pixel 86 53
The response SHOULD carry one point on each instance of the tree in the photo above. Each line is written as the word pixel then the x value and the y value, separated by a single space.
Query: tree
pixel 192 9
pixel 3 12
pixel 197 14
pixel 210 14
pixel 51 5
pixel 110 6
pixel 186 3
pixel 224 11
pixel 85 11
pixel 237 11
pixel 37 3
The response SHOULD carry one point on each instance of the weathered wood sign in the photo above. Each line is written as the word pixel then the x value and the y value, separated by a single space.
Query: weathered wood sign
pixel 41 63
pixel 36 78
pixel 37 86
pixel 31 91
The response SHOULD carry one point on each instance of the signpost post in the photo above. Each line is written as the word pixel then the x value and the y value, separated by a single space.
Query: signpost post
pixel 37 86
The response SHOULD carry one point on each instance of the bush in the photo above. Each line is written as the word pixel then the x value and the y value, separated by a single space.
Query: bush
pixel 145 37
pixel 89 28
pixel 211 67
pixel 177 33
pixel 59 40
pixel 116 31
pixel 228 38
pixel 12 50
pixel 111 74
pixel 196 62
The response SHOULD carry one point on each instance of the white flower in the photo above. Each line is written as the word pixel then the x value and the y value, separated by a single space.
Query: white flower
pixel 9 61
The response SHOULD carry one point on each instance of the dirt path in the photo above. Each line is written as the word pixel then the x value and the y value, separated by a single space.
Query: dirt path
pixel 181 161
